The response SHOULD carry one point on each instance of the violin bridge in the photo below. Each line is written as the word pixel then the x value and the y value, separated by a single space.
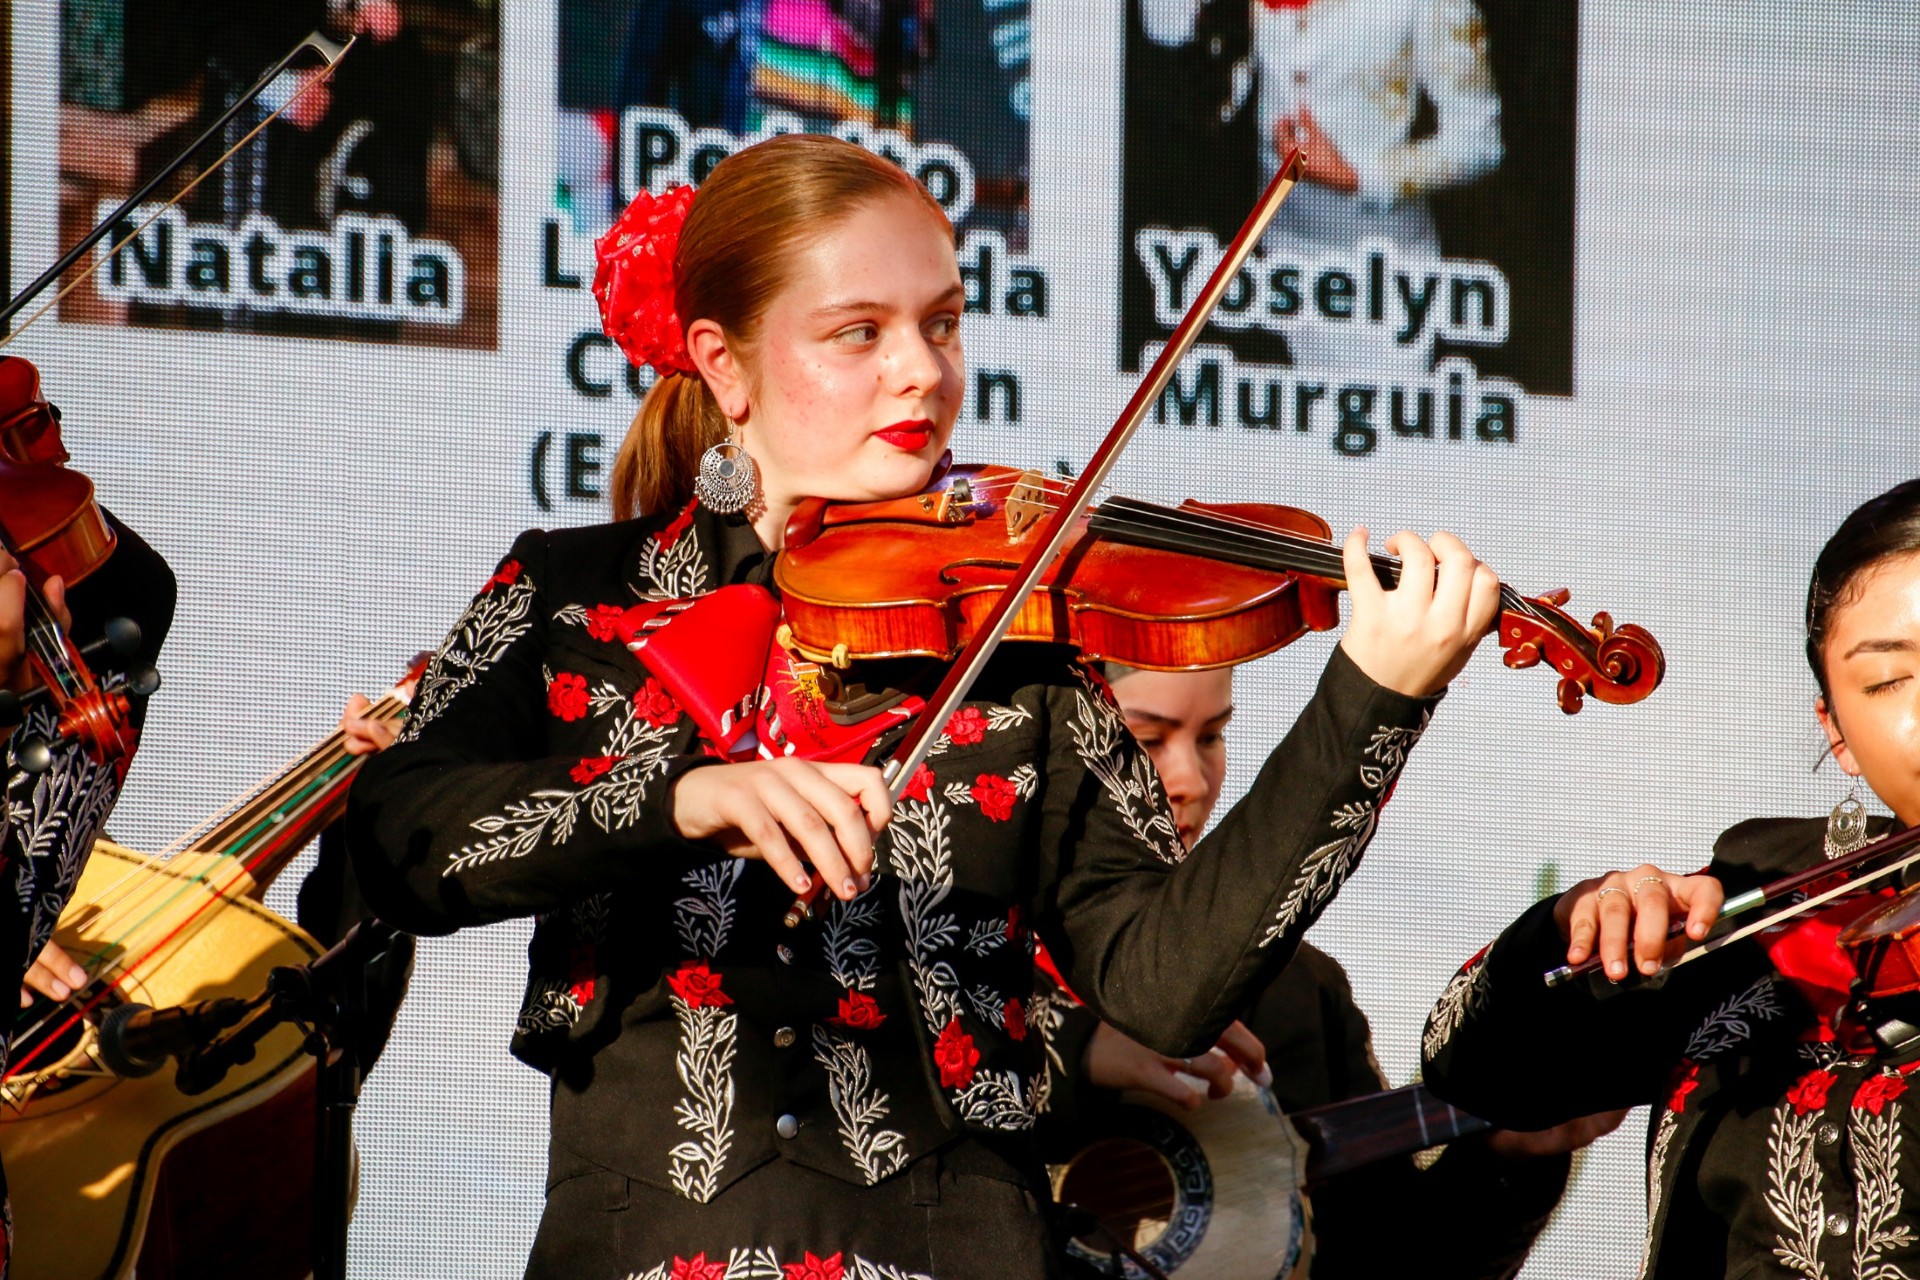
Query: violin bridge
pixel 1026 504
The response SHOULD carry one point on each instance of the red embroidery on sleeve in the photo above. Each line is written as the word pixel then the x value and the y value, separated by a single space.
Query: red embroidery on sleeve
pixel 995 796
pixel 967 727
pixel 505 576
pixel 655 705
pixel 567 696
pixel 592 767
pixel 920 786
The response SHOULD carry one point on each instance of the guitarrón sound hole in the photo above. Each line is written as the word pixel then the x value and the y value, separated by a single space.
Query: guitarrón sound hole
pixel 1127 1186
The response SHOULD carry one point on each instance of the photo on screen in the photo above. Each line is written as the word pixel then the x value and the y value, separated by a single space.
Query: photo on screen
pixel 1427 250
pixel 653 93
pixel 368 210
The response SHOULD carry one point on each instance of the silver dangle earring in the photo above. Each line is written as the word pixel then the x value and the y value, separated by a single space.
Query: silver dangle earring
pixel 728 481
pixel 1847 824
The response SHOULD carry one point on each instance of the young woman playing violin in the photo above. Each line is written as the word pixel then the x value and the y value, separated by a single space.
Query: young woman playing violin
pixel 49 818
pixel 603 743
pixel 1782 1141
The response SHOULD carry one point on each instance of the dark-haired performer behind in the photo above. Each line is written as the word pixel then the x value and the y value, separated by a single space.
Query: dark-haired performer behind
pixel 1472 1214
pixel 1783 1141
pixel 51 819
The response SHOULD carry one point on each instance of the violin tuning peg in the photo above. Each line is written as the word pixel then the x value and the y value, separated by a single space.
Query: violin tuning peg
pixel 122 636
pixel 13 706
pixel 34 756
pixel 143 684
pixel 1556 597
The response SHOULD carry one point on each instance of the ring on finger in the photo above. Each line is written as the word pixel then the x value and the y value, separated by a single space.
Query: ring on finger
pixel 1609 889
pixel 1186 1065
pixel 1646 880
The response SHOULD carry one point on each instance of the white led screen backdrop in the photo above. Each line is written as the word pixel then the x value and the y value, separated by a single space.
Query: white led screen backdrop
pixel 1626 297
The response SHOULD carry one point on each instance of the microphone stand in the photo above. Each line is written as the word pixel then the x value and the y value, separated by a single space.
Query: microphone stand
pixel 327 1000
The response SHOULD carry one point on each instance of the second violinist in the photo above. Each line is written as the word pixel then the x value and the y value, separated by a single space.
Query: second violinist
pixel 603 744
pixel 1783 1141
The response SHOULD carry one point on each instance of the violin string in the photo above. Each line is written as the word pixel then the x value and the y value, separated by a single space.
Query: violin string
pixel 1253 527
pixel 1315 555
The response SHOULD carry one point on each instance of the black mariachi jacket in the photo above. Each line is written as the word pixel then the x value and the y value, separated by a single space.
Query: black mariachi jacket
pixel 1770 1152
pixel 690 1037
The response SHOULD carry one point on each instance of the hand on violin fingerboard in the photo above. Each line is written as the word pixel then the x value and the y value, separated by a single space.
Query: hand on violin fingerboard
pixel 1415 637
pixel 14 671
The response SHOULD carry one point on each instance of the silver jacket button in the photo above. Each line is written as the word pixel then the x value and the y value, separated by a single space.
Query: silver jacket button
pixel 1828 1133
pixel 784 1038
pixel 1839 1224
pixel 788 1127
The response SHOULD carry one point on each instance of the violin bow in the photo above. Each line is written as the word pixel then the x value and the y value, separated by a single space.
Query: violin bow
pixel 330 51
pixel 1892 846
pixel 972 660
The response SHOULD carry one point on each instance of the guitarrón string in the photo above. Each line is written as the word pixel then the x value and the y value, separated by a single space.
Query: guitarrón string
pixel 139 892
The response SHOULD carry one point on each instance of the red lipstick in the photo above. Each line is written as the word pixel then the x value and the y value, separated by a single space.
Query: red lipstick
pixel 910 436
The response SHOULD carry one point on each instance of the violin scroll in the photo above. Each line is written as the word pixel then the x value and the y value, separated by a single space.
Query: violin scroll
pixel 1618 665
pixel 97 718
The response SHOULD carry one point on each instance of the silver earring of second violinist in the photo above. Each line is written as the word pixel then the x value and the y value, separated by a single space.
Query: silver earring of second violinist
pixel 727 481
pixel 1847 824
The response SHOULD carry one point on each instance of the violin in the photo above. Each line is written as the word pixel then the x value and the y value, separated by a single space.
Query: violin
pixel 53 527
pixel 1161 588
pixel 1025 574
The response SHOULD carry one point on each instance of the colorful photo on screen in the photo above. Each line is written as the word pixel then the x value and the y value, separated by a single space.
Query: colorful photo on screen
pixel 1419 279
pixel 653 93
pixel 369 210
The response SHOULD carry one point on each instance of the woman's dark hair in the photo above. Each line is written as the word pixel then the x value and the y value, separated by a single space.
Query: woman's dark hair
pixel 1879 528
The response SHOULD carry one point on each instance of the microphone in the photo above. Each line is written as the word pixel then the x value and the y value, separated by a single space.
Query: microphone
pixel 136 1040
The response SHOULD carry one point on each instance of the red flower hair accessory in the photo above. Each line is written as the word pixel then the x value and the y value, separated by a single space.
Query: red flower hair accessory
pixel 634 280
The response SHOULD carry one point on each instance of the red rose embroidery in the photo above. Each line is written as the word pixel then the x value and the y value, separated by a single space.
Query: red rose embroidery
pixel 967 727
pixel 698 1268
pixel 858 1011
pixel 1016 1019
pixel 1686 1078
pixel 600 622
pixel 698 985
pixel 1810 1094
pixel 580 976
pixel 1877 1092
pixel 567 696
pixel 592 767
pixel 920 787
pixel 681 523
pixel 655 705
pixel 1013 922
pixel 505 576
pixel 812 1268
pixel 956 1057
pixel 995 796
